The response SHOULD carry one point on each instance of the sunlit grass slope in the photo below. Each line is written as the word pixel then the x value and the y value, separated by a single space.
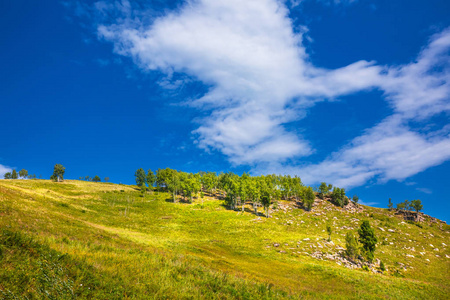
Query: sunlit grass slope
pixel 79 239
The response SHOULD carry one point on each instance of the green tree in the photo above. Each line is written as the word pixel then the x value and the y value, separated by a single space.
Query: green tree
pixel 151 178
pixel 174 181
pixel 405 205
pixel 244 190
pixel 96 179
pixel 106 179
pixel 254 193
pixel 265 201
pixel 297 187
pixel 14 174
pixel 140 177
pixel 390 204
pixel 8 175
pixel 338 197
pixel 417 205
pixel 192 185
pixel 351 245
pixel 329 231
pixel 355 199
pixel 23 173
pixel 309 197
pixel 367 239
pixel 58 173
pixel 324 189
pixel 209 181
pixel 143 190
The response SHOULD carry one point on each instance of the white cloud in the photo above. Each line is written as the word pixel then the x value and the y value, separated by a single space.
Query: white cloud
pixel 255 64
pixel 260 79
pixel 3 170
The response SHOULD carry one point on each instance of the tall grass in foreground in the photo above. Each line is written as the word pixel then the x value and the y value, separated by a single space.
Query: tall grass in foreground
pixel 32 270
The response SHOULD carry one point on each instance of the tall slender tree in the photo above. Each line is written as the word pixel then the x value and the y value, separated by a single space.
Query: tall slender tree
pixel 140 177
pixel 151 178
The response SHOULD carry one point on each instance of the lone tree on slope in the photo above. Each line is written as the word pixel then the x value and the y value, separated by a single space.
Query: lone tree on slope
pixel 96 179
pixel 58 173
pixel 390 204
pixel 368 239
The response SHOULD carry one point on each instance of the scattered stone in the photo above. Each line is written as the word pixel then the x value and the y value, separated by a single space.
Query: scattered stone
pixel 436 249
pixel 446 256
pixel 427 260
pixel 307 239
pixel 431 245
pixel 443 244
pixel 409 255
pixel 381 228
pixel 276 245
pixel 391 230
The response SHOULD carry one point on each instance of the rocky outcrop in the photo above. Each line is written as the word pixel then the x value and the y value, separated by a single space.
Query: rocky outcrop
pixel 417 217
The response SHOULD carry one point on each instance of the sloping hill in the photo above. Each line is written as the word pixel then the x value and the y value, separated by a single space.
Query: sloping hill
pixel 80 239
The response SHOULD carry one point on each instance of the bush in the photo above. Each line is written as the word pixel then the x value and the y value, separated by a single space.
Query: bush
pixel 382 267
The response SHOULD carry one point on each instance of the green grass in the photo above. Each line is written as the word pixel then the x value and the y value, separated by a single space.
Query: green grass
pixel 103 241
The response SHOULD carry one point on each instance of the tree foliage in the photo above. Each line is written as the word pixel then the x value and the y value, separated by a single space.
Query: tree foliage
pixel 367 239
pixel 351 245
pixel 8 175
pixel 417 205
pixel 58 173
pixel 309 197
pixel 338 197
pixel 324 189
pixel 14 174
pixel 151 178
pixel 140 177
pixel 23 173
pixel 96 179
pixel 390 204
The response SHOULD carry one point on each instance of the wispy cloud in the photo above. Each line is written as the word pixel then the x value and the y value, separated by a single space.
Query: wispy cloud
pixel 3 170
pixel 425 190
pixel 370 203
pixel 261 79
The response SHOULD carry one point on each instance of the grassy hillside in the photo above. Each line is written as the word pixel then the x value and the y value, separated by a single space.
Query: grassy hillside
pixel 80 239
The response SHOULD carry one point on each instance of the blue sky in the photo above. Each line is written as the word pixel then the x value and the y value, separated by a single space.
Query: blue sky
pixel 355 93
